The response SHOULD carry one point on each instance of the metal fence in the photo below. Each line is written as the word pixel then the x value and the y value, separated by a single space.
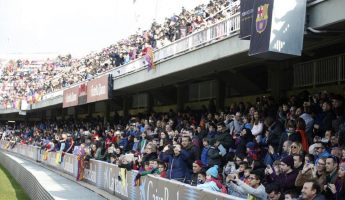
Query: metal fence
pixel 117 181
pixel 30 184
pixel 320 71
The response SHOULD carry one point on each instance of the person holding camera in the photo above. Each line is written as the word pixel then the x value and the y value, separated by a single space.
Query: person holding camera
pixel 311 172
pixel 253 190
pixel 286 179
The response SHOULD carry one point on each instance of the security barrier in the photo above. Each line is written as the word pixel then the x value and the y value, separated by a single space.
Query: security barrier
pixel 30 184
pixel 117 181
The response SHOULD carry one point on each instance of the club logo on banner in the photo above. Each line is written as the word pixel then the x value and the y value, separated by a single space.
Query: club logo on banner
pixel 261 18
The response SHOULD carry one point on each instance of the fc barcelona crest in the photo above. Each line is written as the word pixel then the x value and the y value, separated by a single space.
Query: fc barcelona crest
pixel 262 18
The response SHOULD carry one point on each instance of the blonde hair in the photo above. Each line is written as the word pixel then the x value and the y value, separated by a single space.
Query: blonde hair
pixel 299 148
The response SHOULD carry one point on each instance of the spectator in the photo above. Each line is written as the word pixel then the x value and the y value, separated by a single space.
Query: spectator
pixel 211 182
pixel 273 192
pixel 285 180
pixel 204 153
pixel 192 150
pixel 291 195
pixel 178 163
pixel 197 168
pixel 331 177
pixel 311 172
pixel 298 162
pixel 258 126
pixel 312 191
pixel 320 150
pixel 213 154
pixel 290 134
pixel 273 133
pixel 254 189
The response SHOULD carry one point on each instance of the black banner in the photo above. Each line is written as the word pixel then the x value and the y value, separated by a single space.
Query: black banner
pixel 246 18
pixel 261 27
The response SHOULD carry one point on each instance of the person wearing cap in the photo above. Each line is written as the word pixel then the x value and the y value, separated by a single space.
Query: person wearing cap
pixel 286 179
pixel 212 183
pixel 254 190
pixel 197 168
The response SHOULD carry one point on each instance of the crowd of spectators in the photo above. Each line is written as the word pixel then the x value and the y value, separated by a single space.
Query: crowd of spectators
pixel 291 149
pixel 29 80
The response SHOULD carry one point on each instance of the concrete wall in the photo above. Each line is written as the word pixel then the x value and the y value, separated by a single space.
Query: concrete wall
pixel 327 12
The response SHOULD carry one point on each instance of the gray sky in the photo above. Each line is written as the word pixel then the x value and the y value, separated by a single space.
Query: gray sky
pixel 35 28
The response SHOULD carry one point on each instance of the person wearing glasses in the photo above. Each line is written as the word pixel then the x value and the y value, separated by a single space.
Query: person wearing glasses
pixel 320 151
pixel 289 134
pixel 253 190
pixel 296 148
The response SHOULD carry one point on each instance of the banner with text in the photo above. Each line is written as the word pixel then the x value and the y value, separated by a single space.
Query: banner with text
pixel 70 97
pixel 98 89
pixel 246 18
pixel 82 95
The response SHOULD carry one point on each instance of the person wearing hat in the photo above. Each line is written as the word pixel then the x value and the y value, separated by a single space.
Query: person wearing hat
pixel 286 179
pixel 197 168
pixel 253 190
pixel 212 183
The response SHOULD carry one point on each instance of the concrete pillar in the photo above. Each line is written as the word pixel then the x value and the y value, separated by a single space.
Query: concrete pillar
pixel 43 115
pixel 75 114
pixel 125 105
pixel 280 78
pixel 90 109
pixel 180 94
pixel 150 102
pixel 107 111
pixel 63 113
pixel 220 94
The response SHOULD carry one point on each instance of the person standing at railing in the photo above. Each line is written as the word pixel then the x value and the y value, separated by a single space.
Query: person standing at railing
pixel 178 162
pixel 81 165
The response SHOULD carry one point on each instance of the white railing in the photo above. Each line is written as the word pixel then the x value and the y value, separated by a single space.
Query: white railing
pixel 223 29
pixel 320 71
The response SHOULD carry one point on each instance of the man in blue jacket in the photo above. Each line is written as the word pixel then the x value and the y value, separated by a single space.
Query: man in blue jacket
pixel 178 163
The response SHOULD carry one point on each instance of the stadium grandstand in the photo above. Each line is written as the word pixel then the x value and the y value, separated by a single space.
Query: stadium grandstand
pixel 229 100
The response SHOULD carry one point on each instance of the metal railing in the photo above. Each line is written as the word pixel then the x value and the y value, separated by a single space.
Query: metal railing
pixel 213 33
pixel 320 71
pixel 106 177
